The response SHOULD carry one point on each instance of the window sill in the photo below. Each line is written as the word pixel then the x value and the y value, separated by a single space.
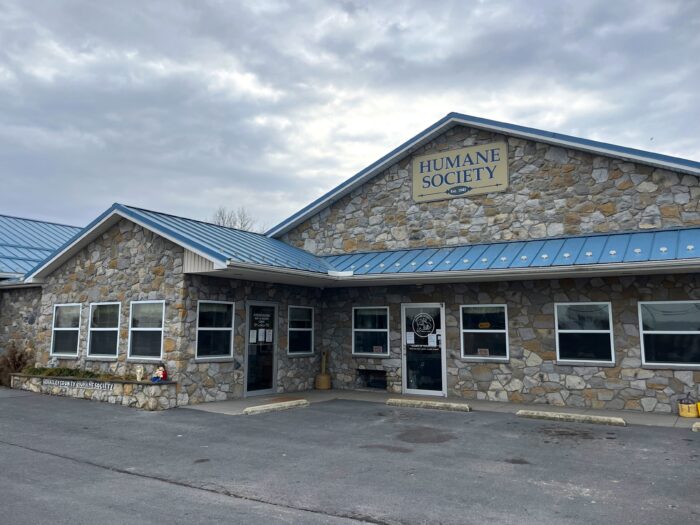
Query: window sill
pixel 601 364
pixel 669 366
pixel 223 359
pixel 301 354
pixel 144 359
pixel 375 356
pixel 470 359
pixel 101 358
pixel 63 356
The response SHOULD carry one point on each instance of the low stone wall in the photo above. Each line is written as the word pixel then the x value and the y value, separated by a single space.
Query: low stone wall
pixel 145 395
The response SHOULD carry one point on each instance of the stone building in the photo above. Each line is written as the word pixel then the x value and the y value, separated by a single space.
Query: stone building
pixel 479 259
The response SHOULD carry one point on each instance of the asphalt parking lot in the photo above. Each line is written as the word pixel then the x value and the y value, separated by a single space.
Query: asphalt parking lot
pixel 64 460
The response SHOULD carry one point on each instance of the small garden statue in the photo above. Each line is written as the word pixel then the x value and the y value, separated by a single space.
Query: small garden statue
pixel 160 374
pixel 139 373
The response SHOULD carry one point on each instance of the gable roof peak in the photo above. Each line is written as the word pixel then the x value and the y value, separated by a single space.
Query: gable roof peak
pixel 453 119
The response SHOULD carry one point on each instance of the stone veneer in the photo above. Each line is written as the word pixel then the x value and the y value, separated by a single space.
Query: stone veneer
pixel 532 374
pixel 145 395
pixel 129 263
pixel 553 191
pixel 18 317
pixel 218 380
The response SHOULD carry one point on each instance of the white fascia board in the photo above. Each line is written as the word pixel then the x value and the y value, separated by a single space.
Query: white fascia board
pixel 339 279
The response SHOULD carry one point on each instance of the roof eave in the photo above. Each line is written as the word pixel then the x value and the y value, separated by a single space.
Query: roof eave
pixel 439 127
pixel 106 220
pixel 346 279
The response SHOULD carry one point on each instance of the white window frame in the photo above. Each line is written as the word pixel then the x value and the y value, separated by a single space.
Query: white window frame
pixel 646 364
pixel 462 331
pixel 233 324
pixel 103 357
pixel 132 329
pixel 54 329
pixel 290 329
pixel 387 330
pixel 584 362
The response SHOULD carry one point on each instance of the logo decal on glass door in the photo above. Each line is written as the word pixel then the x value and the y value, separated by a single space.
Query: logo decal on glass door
pixel 423 325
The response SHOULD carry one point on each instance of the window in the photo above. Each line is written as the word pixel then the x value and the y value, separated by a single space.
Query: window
pixel 485 332
pixel 66 330
pixel 103 333
pixel 146 329
pixel 670 333
pixel 584 332
pixel 301 330
pixel 214 330
pixel 370 331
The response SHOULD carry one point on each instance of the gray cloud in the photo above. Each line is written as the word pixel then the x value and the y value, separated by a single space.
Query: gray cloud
pixel 186 106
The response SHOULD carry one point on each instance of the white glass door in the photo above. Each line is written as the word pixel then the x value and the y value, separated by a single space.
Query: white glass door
pixel 423 349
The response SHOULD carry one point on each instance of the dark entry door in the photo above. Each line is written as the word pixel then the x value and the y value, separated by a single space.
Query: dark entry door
pixel 423 349
pixel 261 342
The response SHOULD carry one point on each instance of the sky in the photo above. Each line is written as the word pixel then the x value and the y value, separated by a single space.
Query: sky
pixel 183 107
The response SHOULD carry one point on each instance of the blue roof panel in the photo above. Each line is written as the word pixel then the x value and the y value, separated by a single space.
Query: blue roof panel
pixel 639 247
pixel 26 242
pixel 229 244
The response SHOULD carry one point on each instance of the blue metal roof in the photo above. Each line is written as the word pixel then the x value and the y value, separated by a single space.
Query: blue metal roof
pixel 597 249
pixel 224 244
pixel 440 126
pixel 230 246
pixel 25 242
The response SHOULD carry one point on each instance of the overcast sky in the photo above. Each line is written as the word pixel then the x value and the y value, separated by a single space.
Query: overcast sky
pixel 182 107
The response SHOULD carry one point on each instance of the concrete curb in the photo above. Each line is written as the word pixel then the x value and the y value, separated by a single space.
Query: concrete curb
pixel 696 427
pixel 435 405
pixel 572 418
pixel 274 407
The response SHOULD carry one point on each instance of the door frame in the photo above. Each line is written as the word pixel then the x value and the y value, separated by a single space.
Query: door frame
pixel 275 325
pixel 443 360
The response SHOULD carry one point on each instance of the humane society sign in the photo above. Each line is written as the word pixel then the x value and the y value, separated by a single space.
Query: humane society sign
pixel 461 172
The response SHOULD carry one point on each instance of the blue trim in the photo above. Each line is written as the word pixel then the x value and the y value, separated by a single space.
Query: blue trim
pixel 573 141
pixel 158 227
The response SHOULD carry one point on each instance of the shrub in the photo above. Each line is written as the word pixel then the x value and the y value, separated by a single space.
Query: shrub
pixel 72 372
pixel 12 361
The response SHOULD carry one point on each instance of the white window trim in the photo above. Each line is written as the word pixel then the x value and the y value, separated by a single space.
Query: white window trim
pixel 462 331
pixel 387 330
pixel 76 355
pixel 228 357
pixel 132 329
pixel 290 329
pixel 642 332
pixel 585 362
pixel 103 357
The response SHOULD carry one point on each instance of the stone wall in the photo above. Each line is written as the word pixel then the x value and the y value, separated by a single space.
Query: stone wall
pixel 532 374
pixel 129 263
pixel 18 317
pixel 553 191
pixel 217 380
pixel 145 395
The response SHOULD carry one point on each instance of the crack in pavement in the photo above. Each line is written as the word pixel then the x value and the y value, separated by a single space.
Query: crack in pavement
pixel 214 489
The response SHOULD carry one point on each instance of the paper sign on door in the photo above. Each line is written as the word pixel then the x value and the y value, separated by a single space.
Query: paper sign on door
pixel 253 337
pixel 432 340
pixel 268 336
pixel 410 338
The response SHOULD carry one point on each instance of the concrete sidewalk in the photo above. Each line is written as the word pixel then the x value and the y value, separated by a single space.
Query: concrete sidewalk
pixel 237 406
